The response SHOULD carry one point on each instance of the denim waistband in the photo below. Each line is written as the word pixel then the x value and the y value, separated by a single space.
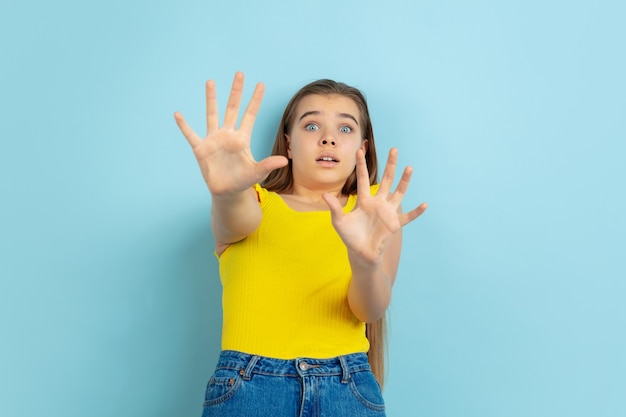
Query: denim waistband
pixel 248 364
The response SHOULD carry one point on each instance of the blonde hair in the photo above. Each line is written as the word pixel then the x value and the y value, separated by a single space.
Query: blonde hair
pixel 282 180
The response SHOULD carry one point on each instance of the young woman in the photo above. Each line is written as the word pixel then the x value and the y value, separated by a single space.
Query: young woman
pixel 308 246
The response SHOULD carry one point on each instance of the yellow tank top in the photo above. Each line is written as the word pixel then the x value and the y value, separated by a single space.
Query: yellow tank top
pixel 285 287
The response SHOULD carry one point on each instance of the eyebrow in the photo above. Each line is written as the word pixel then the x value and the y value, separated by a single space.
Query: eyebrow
pixel 316 112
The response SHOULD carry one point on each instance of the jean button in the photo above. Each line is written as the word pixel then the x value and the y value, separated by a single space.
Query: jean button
pixel 303 366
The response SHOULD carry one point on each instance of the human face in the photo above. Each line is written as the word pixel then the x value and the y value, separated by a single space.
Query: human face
pixel 324 137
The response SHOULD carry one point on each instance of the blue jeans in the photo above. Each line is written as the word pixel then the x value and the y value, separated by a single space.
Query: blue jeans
pixel 246 385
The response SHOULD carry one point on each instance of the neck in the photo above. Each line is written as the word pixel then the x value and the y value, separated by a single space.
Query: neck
pixel 314 194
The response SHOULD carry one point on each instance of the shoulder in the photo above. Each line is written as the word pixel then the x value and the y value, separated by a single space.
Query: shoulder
pixel 263 194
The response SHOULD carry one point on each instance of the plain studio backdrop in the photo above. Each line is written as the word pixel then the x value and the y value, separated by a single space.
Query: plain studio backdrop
pixel 510 295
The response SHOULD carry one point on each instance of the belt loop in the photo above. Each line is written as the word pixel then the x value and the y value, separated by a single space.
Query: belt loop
pixel 248 371
pixel 345 377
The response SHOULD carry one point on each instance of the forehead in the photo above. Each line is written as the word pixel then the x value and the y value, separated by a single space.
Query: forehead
pixel 330 104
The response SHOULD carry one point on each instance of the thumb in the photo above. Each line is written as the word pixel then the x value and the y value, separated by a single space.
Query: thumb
pixel 269 164
pixel 336 211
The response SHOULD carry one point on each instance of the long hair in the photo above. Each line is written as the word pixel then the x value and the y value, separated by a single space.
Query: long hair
pixel 282 180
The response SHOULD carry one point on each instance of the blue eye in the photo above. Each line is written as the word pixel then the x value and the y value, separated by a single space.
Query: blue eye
pixel 311 127
pixel 345 129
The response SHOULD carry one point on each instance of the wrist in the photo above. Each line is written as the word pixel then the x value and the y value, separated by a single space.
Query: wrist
pixel 360 259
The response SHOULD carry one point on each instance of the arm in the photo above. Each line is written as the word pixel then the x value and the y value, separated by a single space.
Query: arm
pixel 372 233
pixel 369 293
pixel 233 217
pixel 227 165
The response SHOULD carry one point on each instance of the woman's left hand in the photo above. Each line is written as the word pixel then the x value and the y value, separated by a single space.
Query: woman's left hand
pixel 368 229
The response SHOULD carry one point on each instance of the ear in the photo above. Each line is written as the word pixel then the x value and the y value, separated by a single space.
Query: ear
pixel 365 146
pixel 288 139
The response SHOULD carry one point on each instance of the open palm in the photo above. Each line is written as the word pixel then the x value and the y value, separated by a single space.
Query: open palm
pixel 224 154
pixel 367 230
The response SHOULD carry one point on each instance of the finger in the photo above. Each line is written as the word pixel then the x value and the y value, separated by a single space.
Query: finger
pixel 247 121
pixel 389 173
pixel 212 117
pixel 408 217
pixel 403 186
pixel 362 175
pixel 187 131
pixel 234 100
pixel 336 211
pixel 269 164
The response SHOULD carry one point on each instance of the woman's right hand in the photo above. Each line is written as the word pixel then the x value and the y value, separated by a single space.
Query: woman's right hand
pixel 224 155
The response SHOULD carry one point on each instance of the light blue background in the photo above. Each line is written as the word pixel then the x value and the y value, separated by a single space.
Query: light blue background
pixel 510 295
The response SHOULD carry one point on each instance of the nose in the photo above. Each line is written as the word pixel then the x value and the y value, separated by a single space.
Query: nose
pixel 328 141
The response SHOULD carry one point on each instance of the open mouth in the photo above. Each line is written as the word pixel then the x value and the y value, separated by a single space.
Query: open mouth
pixel 327 159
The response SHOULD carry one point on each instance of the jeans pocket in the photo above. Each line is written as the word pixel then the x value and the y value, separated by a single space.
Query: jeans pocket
pixel 222 386
pixel 365 388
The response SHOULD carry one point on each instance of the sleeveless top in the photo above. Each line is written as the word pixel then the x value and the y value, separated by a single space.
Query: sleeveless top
pixel 285 286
